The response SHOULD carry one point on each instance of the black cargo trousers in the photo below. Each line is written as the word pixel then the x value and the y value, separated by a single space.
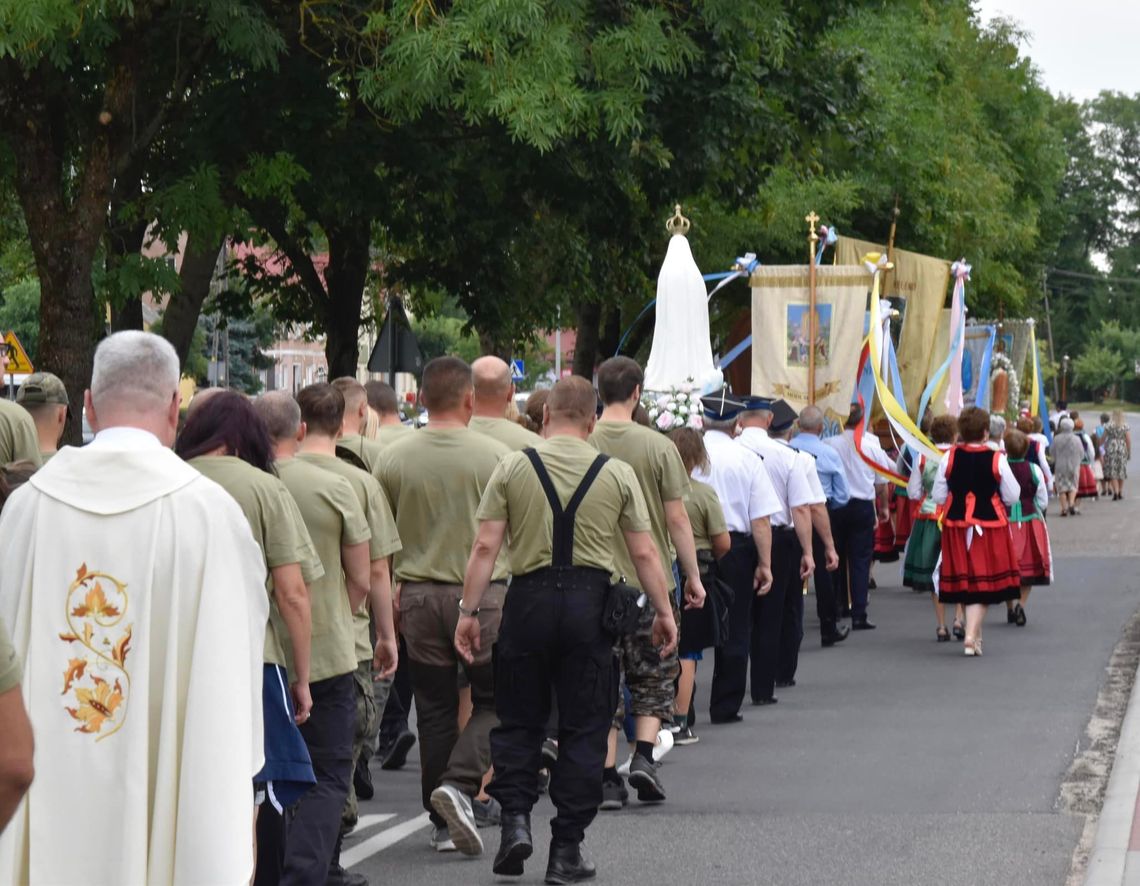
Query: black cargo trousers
pixel 551 637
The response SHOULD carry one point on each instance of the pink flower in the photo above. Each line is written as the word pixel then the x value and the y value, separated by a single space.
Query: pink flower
pixel 696 421
pixel 665 421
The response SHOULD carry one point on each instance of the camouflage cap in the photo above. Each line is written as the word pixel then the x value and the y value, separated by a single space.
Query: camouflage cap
pixel 42 387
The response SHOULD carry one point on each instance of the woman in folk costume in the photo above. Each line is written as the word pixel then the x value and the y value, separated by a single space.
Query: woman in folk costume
pixel 925 544
pixel 1086 479
pixel 1031 426
pixel 1027 522
pixel 1068 451
pixel 979 564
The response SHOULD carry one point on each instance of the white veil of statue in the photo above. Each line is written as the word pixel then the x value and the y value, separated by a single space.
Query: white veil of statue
pixel 681 355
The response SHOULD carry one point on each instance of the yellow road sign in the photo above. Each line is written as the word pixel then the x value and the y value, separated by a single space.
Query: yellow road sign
pixel 17 357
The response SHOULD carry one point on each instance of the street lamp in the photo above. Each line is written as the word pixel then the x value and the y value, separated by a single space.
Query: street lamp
pixel 1065 379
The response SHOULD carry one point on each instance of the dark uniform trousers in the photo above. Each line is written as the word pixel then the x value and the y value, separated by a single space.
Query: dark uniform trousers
pixel 853 527
pixel 730 670
pixel 826 601
pixel 428 615
pixel 312 834
pixel 768 612
pixel 551 638
pixel 792 629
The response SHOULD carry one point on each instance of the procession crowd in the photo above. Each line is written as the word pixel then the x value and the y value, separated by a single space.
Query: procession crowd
pixel 243 603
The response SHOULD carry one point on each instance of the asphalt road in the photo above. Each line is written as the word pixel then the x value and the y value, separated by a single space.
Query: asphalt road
pixel 895 760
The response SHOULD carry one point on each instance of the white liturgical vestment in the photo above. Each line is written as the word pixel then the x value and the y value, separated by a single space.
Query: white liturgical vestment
pixel 135 594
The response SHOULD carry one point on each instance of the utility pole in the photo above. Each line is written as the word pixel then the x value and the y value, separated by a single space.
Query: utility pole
pixel 1049 327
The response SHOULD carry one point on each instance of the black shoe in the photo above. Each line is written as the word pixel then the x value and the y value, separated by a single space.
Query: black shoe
pixel 861 624
pixel 516 845
pixel 785 684
pixel 721 719
pixel 543 780
pixel 686 736
pixel 760 702
pixel 1010 616
pixel 643 777
pixel 1019 615
pixel 568 864
pixel 549 753
pixel 837 635
pixel 614 795
pixel 338 876
pixel 362 781
pixel 871 585
pixel 397 754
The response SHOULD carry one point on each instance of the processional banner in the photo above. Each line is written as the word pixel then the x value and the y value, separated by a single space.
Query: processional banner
pixel 921 282
pixel 781 345
pixel 1014 338
pixel 976 362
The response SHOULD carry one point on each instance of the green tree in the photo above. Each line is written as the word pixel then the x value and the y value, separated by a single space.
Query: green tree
pixel 20 312
pixel 1098 369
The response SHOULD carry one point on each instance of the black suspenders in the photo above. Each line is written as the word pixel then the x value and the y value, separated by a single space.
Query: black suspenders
pixel 563 553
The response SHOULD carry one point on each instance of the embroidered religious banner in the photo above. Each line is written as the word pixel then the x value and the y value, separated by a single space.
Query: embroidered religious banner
pixel 976 362
pixel 781 334
pixel 917 287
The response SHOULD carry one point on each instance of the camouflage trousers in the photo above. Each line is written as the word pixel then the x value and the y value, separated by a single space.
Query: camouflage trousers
pixel 367 730
pixel 651 679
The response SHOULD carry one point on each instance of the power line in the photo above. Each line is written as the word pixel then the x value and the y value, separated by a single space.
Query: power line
pixel 1096 277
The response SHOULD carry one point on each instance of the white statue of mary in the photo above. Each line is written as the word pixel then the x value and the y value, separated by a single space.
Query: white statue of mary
pixel 681 354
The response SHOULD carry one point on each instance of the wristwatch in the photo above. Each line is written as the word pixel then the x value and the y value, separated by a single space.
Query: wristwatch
pixel 470 613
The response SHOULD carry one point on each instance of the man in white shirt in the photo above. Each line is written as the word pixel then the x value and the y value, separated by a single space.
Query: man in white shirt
pixel 792 561
pixel 136 598
pixel 853 524
pixel 748 500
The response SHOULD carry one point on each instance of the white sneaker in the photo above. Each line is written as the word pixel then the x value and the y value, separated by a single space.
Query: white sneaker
pixel 455 807
pixel 663 746
pixel 441 840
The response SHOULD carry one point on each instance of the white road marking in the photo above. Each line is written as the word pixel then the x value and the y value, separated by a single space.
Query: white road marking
pixel 369 821
pixel 384 839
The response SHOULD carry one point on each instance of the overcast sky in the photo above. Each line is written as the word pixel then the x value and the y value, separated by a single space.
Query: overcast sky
pixel 1079 47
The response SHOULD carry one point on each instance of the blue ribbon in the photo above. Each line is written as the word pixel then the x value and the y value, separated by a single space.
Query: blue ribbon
pixel 829 239
pixel 739 349
pixel 982 397
pixel 1042 404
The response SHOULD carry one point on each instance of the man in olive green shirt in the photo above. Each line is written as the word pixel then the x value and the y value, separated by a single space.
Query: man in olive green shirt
pixel 352 440
pixel 341 536
pixel 45 398
pixel 18 438
pixel 16 767
pixel 665 485
pixel 494 395
pixel 434 479
pixel 323 410
pixel 383 401
pixel 552 635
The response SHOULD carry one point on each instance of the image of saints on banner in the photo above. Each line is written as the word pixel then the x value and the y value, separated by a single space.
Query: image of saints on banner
pixel 782 340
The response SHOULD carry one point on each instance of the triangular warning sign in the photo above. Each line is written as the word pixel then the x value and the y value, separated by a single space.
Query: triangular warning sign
pixel 17 357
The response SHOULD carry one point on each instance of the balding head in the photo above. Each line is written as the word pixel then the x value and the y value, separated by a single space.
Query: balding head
pixel 134 383
pixel 493 386
pixel 811 420
pixel 355 404
pixel 281 414
pixel 571 408
pixel 755 418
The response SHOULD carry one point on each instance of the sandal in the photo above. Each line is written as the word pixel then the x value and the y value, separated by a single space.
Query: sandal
pixel 968 649
pixel 959 631
pixel 943 634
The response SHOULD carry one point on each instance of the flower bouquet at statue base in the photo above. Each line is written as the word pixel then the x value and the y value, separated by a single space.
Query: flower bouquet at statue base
pixel 679 407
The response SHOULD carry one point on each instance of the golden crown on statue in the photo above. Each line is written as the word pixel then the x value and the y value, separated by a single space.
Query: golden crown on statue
pixel 677 224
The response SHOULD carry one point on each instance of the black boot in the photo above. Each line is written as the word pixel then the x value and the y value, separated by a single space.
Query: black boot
pixel 516 844
pixel 338 876
pixel 568 864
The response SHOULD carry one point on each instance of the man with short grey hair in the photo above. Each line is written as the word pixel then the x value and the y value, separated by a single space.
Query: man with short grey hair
pixel 136 594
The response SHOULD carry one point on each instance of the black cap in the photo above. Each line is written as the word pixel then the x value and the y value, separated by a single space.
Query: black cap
pixel 722 406
pixel 782 416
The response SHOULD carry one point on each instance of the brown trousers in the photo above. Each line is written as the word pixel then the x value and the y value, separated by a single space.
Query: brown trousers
pixel 429 613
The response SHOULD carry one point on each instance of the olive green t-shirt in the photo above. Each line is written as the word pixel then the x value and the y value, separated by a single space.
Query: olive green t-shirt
pixel 613 503
pixel 705 514
pixel 660 473
pixel 277 527
pixel 511 434
pixel 390 434
pixel 10 674
pixel 334 518
pixel 368 451
pixel 384 542
pixel 18 438
pixel 434 480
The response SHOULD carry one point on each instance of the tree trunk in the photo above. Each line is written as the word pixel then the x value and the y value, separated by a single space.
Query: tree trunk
pixel 181 316
pixel 586 344
pixel 344 278
pixel 611 334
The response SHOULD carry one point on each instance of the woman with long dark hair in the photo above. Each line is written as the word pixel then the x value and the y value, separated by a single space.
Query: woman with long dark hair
pixel 226 440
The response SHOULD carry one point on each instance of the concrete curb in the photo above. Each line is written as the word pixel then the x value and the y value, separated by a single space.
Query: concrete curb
pixel 1112 861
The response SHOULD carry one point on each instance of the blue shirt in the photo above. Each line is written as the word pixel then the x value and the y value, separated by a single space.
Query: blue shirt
pixel 828 466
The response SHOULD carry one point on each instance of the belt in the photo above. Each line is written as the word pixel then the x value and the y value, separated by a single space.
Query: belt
pixel 562 577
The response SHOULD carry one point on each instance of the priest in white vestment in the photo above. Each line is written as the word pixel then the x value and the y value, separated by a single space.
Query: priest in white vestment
pixel 135 595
